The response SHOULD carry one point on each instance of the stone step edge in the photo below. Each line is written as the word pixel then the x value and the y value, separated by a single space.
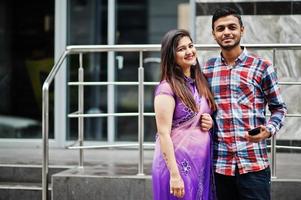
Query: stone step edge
pixel 37 166
pixel 22 186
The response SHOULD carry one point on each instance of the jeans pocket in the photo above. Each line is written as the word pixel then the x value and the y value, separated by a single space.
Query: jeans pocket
pixel 264 176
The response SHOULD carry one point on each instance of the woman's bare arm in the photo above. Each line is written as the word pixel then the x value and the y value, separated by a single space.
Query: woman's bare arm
pixel 164 109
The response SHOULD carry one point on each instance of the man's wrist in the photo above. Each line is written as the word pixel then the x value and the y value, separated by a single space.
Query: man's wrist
pixel 271 129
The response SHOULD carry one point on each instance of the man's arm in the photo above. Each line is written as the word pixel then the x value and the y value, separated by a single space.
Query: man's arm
pixel 274 100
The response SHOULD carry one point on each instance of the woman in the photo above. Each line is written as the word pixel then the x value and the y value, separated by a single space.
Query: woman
pixel 183 104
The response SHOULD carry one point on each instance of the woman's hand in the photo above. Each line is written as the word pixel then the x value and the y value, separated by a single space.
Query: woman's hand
pixel 206 122
pixel 177 186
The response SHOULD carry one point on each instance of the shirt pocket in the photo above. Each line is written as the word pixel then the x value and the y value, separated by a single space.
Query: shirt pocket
pixel 245 94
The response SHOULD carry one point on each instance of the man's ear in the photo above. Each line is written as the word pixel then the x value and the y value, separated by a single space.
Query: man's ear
pixel 242 30
pixel 213 35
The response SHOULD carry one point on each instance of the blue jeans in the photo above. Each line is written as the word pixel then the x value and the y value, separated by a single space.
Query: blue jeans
pixel 250 186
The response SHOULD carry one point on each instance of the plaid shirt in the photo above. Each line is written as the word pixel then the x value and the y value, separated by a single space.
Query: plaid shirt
pixel 241 93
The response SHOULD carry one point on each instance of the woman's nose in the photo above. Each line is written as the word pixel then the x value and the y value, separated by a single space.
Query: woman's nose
pixel 188 51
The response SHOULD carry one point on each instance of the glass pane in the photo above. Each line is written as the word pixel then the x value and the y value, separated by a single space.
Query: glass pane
pixel 88 25
pixel 26 57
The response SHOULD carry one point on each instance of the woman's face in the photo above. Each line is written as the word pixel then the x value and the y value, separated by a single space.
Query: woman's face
pixel 185 54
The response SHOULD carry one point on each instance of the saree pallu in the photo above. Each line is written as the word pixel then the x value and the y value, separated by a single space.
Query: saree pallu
pixel 193 156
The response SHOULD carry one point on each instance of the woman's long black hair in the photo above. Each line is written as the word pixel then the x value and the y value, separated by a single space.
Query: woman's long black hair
pixel 173 74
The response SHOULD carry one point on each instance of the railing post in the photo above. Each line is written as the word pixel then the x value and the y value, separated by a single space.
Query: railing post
pixel 45 130
pixel 273 139
pixel 111 34
pixel 81 110
pixel 141 112
pixel 111 98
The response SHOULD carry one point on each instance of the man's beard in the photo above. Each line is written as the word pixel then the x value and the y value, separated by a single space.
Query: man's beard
pixel 230 47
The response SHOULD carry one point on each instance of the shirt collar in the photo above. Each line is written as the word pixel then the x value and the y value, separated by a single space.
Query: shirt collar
pixel 239 59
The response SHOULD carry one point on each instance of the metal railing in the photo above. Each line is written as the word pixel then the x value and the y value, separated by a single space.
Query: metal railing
pixel 80 50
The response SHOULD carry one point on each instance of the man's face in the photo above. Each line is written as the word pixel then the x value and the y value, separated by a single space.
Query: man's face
pixel 227 32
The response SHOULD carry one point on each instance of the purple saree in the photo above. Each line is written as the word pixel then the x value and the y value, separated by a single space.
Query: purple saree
pixel 192 152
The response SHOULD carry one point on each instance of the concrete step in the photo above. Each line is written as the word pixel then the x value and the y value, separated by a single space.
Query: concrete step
pixel 22 191
pixel 21 186
pixel 92 183
pixel 24 182
pixel 26 173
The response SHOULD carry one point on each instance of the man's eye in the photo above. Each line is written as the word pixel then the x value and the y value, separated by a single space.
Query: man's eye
pixel 232 27
pixel 220 29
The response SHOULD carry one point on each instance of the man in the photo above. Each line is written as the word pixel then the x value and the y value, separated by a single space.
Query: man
pixel 242 84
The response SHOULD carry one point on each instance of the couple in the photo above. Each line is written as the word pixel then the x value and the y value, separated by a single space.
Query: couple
pixel 234 88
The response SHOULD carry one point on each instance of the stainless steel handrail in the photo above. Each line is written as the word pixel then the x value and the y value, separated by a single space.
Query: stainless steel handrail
pixel 45 122
pixel 150 83
pixel 80 49
pixel 156 47
pixel 110 83
pixel 133 114
pixel 105 146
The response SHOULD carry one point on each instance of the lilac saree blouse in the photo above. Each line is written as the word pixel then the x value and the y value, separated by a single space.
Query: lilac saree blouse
pixel 182 113
pixel 192 149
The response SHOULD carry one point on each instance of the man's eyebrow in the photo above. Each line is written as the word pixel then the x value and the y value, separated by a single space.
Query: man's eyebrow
pixel 224 25
pixel 220 26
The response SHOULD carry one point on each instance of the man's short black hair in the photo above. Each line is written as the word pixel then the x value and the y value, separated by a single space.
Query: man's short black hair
pixel 223 12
